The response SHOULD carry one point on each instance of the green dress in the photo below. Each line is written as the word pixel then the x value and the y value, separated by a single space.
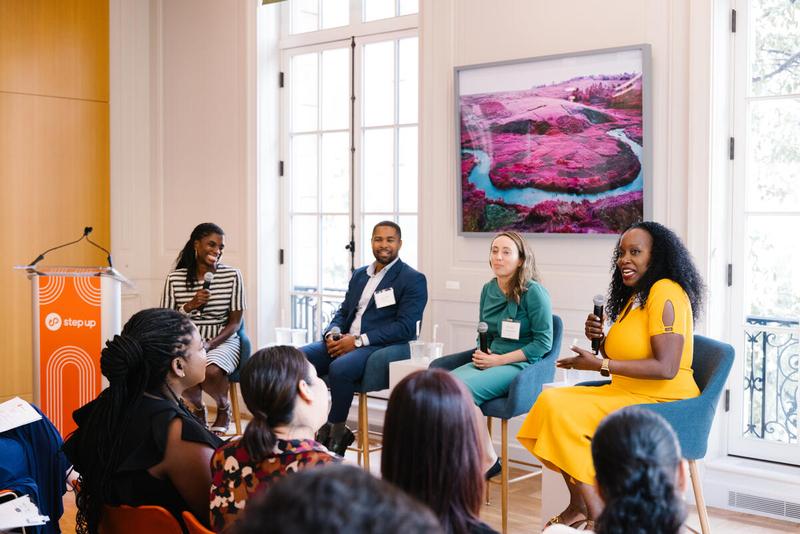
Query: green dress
pixel 535 316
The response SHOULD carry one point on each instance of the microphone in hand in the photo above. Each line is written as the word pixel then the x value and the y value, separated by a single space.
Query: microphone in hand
pixel 207 278
pixel 599 302
pixel 336 333
pixel 483 337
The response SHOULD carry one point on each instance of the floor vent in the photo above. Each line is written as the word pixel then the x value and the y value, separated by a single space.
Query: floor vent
pixel 764 505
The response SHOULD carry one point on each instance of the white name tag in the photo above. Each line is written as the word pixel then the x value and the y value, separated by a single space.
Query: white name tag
pixel 510 329
pixel 384 298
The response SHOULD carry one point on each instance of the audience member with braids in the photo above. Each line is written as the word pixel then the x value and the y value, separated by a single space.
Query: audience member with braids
pixel 136 443
pixel 216 311
pixel 654 297
pixel 288 402
pixel 640 475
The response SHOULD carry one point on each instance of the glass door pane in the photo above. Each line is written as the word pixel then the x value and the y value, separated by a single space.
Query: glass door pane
pixel 319 180
pixel 766 316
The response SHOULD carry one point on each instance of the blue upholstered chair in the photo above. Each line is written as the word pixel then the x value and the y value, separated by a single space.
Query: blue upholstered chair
pixel 692 418
pixel 375 378
pixel 245 351
pixel 521 395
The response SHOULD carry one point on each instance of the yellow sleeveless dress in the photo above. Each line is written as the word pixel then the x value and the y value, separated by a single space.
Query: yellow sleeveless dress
pixel 559 428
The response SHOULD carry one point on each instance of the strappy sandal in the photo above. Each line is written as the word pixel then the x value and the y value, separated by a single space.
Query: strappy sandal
pixel 201 414
pixel 221 430
pixel 559 520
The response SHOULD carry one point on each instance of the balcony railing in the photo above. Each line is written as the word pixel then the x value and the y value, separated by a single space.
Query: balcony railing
pixel 311 314
pixel 772 357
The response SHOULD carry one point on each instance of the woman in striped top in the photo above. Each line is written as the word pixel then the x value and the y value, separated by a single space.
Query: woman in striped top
pixel 216 311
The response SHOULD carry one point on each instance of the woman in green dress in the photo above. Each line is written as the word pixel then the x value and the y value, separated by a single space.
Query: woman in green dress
pixel 517 310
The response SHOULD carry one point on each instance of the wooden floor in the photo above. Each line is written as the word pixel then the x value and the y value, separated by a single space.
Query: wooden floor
pixel 525 502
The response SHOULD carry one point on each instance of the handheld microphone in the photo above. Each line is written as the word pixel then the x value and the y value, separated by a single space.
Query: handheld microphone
pixel 483 338
pixel 599 302
pixel 336 333
pixel 207 278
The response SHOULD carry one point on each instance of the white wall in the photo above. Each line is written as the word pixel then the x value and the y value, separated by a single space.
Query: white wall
pixel 464 32
pixel 183 137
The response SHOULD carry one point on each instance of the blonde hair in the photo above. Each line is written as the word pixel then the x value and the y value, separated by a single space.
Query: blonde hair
pixel 526 270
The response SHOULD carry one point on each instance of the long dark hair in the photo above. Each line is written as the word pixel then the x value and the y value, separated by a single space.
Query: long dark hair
pixel 437 459
pixel 669 258
pixel 527 269
pixel 135 362
pixel 187 257
pixel 637 456
pixel 269 388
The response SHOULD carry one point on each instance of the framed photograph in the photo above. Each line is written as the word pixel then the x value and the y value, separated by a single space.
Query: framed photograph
pixel 555 145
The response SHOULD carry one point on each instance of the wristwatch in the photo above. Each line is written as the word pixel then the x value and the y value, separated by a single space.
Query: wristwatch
pixel 604 371
pixel 358 342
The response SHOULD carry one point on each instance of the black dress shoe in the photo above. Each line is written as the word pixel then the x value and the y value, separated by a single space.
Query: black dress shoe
pixel 494 470
pixel 340 440
pixel 324 434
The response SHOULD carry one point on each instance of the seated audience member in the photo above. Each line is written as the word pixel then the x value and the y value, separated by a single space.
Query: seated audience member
pixel 337 499
pixel 383 304
pixel 654 297
pixel 640 475
pixel 432 448
pixel 31 463
pixel 288 402
pixel 137 443
pixel 516 308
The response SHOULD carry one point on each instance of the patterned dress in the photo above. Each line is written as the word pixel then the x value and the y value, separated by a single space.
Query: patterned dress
pixel 235 476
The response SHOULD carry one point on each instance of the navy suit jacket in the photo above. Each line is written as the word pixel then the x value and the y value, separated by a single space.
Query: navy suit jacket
pixel 390 324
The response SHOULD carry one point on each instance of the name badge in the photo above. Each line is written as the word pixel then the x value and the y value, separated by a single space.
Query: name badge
pixel 510 329
pixel 384 298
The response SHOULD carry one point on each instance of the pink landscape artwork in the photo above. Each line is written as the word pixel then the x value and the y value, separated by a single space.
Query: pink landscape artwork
pixel 561 157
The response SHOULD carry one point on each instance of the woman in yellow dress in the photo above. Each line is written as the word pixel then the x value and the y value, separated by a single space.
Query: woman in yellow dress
pixel 655 294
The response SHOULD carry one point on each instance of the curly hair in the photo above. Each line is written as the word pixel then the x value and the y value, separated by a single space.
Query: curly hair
pixel 135 361
pixel 669 258
pixel 637 457
pixel 187 257
pixel 525 272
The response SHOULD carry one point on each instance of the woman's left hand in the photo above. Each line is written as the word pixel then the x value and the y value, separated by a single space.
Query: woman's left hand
pixel 584 361
pixel 483 360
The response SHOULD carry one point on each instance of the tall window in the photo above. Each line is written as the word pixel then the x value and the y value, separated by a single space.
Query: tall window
pixel 368 49
pixel 766 246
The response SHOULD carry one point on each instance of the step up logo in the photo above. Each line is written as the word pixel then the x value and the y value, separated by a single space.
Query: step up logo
pixel 53 322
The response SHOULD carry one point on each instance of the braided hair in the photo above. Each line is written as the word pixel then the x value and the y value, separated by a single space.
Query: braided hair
pixel 637 456
pixel 134 362
pixel 669 258
pixel 187 257
pixel 269 388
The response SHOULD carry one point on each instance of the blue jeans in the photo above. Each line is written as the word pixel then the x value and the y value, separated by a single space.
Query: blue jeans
pixel 343 373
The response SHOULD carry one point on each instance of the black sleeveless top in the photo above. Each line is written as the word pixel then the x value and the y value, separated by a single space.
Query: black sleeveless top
pixel 143 446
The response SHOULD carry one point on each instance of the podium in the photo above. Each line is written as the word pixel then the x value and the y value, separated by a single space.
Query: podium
pixel 75 310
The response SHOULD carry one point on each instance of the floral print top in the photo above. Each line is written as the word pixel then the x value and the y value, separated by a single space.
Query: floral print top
pixel 235 477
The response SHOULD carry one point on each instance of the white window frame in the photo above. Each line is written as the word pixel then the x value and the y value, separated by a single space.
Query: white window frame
pixel 317 41
pixel 740 74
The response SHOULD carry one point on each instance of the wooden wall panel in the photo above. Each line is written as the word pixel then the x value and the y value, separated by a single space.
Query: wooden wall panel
pixel 54 153
pixel 54 47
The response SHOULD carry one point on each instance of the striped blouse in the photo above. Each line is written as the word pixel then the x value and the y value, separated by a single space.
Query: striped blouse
pixel 227 295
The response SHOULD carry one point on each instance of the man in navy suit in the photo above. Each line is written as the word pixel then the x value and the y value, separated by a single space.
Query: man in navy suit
pixel 383 303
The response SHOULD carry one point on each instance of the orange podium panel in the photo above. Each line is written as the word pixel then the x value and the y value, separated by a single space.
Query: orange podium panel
pixel 75 310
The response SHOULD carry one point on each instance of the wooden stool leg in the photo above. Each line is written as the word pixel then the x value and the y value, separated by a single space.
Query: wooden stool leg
pixel 489 425
pixel 363 428
pixel 237 417
pixel 504 474
pixel 697 488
